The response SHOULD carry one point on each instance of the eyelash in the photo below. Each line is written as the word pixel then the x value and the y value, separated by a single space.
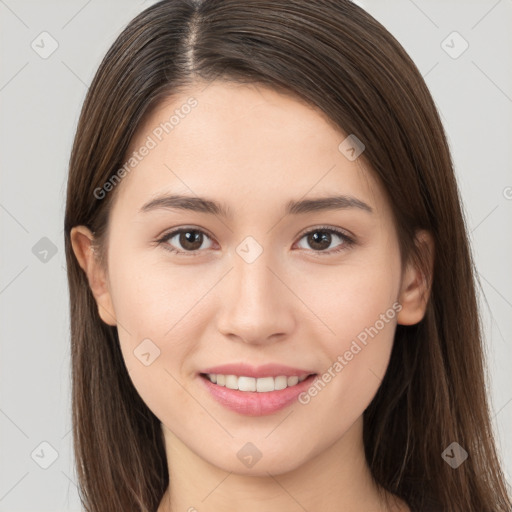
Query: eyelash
pixel 347 240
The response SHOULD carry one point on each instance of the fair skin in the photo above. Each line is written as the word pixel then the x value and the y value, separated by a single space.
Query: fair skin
pixel 254 149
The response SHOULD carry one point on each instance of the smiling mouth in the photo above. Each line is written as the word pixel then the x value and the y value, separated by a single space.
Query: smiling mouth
pixel 252 384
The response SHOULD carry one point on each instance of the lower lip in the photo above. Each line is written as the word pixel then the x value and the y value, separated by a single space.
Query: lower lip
pixel 252 403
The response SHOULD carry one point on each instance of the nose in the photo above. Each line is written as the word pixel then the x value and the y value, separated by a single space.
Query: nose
pixel 257 305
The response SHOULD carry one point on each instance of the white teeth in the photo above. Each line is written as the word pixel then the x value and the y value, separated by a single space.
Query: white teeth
pixel 280 382
pixel 261 385
pixel 231 382
pixel 265 384
pixel 292 381
pixel 246 383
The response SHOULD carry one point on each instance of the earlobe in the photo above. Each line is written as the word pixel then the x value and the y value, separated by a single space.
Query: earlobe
pixel 81 241
pixel 417 283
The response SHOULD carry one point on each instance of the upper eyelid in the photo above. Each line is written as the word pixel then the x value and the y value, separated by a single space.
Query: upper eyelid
pixel 337 231
pixel 176 231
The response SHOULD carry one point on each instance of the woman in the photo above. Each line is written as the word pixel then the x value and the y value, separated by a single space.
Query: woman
pixel 272 291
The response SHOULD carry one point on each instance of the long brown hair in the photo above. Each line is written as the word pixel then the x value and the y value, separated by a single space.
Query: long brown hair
pixel 338 58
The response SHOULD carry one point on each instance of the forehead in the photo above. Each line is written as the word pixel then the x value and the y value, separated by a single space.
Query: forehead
pixel 241 143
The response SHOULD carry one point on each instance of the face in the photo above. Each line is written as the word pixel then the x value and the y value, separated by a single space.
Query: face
pixel 315 290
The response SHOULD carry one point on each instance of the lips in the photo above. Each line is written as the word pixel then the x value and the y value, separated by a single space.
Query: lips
pixel 261 384
pixel 267 370
pixel 222 383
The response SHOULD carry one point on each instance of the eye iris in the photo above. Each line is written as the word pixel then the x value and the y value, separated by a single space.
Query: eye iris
pixel 191 242
pixel 324 240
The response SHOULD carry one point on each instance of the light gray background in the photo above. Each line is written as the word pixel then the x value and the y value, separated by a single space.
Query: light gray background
pixel 41 99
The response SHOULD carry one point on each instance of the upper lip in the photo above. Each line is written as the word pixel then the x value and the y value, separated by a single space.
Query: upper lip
pixel 266 370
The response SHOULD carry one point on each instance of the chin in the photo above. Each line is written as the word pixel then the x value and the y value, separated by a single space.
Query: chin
pixel 260 464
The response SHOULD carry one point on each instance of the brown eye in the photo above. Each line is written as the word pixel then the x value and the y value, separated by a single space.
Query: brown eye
pixel 320 239
pixel 189 241
pixel 186 240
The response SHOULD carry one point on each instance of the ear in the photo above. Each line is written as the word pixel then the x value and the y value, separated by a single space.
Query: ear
pixel 416 283
pixel 81 241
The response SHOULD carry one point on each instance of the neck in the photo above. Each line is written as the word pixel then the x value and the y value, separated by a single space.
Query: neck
pixel 337 478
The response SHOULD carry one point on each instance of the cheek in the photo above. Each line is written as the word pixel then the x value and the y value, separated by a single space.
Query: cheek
pixel 355 369
pixel 350 298
pixel 151 298
pixel 151 309
pixel 358 309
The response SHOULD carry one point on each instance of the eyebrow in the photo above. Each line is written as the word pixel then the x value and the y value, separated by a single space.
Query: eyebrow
pixel 204 205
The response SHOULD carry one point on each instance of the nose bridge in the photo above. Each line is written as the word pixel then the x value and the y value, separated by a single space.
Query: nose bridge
pixel 256 306
pixel 254 280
